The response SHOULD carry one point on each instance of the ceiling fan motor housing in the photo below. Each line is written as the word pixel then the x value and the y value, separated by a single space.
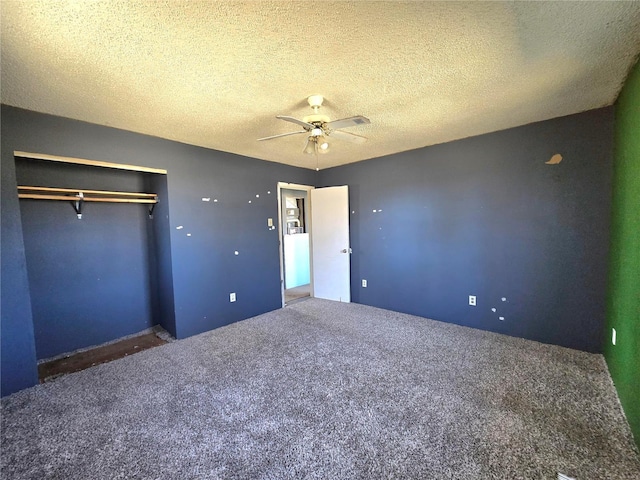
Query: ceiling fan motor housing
pixel 316 120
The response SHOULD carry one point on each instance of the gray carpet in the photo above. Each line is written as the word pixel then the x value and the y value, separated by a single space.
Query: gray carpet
pixel 327 390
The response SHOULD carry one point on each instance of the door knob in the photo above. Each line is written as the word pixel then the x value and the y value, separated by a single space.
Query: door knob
pixel 346 250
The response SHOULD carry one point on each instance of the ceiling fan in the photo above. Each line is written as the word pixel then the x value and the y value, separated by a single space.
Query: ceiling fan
pixel 319 127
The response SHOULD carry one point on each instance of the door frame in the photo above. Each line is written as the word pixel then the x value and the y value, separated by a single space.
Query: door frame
pixel 293 186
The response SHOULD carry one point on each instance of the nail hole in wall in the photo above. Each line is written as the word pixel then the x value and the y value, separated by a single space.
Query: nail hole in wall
pixel 556 159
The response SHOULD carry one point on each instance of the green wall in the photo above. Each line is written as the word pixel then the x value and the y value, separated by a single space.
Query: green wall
pixel 623 359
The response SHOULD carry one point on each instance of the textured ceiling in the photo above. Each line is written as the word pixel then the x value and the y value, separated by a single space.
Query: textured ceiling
pixel 216 74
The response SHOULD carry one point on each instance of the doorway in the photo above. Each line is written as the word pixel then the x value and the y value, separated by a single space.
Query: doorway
pixel 295 243
pixel 313 225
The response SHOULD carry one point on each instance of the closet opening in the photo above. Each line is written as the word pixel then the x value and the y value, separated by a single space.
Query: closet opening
pixel 97 248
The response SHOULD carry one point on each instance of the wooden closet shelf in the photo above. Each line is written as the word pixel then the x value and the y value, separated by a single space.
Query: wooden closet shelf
pixel 107 196
pixel 78 196
pixel 77 190
pixel 71 198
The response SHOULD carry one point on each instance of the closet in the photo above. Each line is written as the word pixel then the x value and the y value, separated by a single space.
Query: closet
pixel 97 247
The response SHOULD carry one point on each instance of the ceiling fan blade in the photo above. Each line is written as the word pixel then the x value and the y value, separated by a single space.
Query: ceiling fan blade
pixel 282 135
pixel 349 137
pixel 304 125
pixel 348 122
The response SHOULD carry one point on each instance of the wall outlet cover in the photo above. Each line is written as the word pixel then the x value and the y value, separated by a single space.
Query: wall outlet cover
pixel 232 297
pixel 472 300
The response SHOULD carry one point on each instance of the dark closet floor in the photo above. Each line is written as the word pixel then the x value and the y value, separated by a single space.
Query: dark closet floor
pixel 95 356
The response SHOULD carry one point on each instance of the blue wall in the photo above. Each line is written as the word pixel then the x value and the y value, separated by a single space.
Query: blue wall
pixel 204 268
pixel 17 345
pixel 159 234
pixel 486 216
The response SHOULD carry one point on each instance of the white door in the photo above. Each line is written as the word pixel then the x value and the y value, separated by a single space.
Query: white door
pixel 331 265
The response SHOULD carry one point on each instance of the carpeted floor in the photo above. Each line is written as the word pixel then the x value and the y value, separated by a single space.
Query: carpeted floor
pixel 326 390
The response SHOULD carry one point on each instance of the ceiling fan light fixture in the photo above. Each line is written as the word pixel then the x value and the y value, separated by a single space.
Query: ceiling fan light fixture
pixel 310 148
pixel 317 132
pixel 323 145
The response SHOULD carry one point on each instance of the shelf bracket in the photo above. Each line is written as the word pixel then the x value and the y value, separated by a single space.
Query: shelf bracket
pixel 77 205
pixel 151 209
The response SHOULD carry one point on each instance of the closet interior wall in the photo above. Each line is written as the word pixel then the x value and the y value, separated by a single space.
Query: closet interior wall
pixel 98 278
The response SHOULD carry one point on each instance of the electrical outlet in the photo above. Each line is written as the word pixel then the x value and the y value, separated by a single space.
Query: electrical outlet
pixel 364 283
pixel 613 336
pixel 472 300
pixel 232 297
